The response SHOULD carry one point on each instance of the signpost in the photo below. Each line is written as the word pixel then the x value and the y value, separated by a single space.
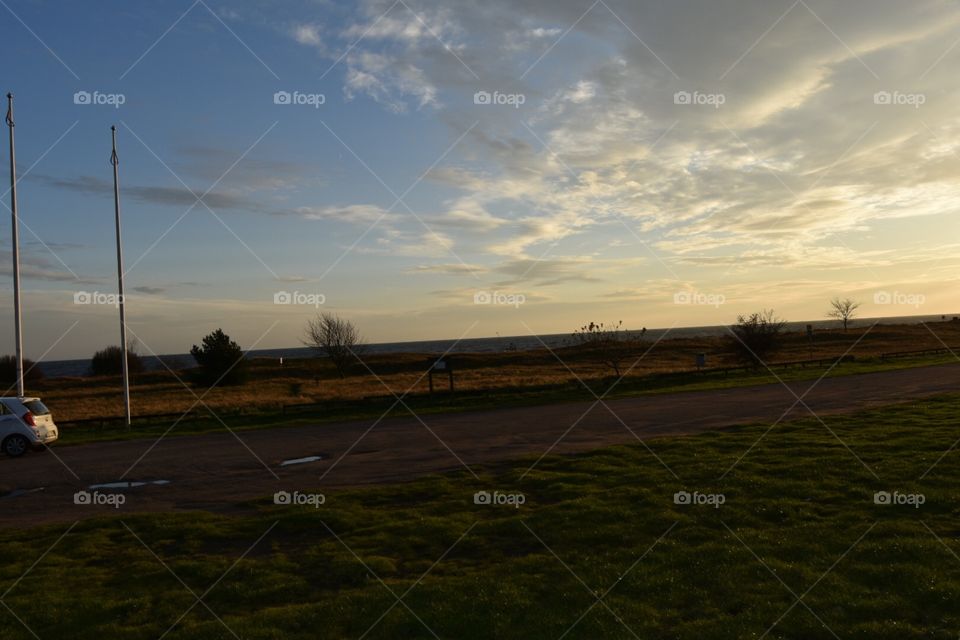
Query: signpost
pixel 15 243
pixel 440 366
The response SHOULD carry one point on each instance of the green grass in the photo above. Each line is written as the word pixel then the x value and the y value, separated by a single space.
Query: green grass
pixel 799 500
pixel 443 402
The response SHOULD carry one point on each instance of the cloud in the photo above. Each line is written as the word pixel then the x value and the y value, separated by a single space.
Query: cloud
pixel 546 272
pixel 388 81
pixel 400 23
pixel 361 214
pixel 152 291
pixel 783 166
pixel 255 172
pixel 54 246
pixel 307 34
pixel 467 213
pixel 171 196
pixel 35 267
pixel 448 269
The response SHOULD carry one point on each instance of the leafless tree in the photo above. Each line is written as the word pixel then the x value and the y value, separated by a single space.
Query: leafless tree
pixel 336 338
pixel 843 310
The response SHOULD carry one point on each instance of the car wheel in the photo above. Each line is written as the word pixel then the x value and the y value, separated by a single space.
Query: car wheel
pixel 15 446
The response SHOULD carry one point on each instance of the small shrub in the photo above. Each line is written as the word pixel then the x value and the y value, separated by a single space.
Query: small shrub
pixel 756 337
pixel 610 346
pixel 8 372
pixel 109 362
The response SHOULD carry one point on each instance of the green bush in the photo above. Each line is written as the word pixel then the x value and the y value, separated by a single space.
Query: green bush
pixel 221 360
pixel 109 362
pixel 8 372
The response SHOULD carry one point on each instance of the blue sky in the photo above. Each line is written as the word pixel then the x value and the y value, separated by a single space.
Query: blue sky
pixel 651 163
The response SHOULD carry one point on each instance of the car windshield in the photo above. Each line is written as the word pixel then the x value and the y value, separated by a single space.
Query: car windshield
pixel 36 407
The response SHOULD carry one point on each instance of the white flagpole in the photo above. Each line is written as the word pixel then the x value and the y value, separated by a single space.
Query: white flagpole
pixel 15 242
pixel 115 161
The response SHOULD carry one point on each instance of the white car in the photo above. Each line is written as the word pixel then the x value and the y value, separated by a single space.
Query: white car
pixel 25 423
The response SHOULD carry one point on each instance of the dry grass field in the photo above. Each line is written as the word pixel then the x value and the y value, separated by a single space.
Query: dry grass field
pixel 314 380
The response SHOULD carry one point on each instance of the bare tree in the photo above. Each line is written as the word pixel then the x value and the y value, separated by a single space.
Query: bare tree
pixel 843 310
pixel 336 338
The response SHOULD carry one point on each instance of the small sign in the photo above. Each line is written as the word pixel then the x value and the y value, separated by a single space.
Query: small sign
pixel 440 366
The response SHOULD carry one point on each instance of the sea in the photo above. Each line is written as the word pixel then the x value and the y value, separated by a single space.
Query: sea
pixel 77 368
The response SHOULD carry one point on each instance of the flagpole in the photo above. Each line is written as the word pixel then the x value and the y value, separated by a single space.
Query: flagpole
pixel 115 161
pixel 15 243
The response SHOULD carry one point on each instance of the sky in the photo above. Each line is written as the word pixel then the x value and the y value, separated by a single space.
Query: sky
pixel 435 169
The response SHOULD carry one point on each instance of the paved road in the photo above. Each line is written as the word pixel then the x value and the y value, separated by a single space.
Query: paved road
pixel 216 471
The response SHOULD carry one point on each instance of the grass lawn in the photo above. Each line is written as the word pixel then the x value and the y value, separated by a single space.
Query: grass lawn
pixel 799 521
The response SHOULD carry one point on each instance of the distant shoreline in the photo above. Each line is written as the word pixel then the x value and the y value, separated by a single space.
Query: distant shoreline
pixel 80 366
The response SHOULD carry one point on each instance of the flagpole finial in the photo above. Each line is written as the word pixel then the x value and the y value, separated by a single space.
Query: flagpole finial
pixel 114 160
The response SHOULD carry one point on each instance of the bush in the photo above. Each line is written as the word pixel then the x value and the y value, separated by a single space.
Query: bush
pixel 610 346
pixel 8 372
pixel 109 362
pixel 221 360
pixel 756 337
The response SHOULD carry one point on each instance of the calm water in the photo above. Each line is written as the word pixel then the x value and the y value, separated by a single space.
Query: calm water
pixel 54 368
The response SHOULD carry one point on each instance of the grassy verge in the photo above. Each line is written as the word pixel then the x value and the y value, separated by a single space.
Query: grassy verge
pixel 472 400
pixel 798 508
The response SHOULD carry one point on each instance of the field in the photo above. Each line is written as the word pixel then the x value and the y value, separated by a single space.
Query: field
pixel 523 376
pixel 599 549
